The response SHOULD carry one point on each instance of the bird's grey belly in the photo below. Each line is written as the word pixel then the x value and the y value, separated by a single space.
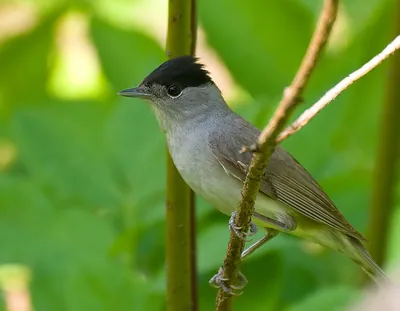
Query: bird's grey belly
pixel 205 175
pixel 214 185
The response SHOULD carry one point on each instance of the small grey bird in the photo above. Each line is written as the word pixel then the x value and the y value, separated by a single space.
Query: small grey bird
pixel 204 138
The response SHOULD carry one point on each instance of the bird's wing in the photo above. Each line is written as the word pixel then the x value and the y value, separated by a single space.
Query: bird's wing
pixel 285 180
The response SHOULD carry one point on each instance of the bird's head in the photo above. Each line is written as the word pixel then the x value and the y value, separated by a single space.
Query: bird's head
pixel 179 91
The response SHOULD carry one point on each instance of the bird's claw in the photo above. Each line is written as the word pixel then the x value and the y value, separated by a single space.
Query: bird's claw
pixel 238 230
pixel 253 229
pixel 219 281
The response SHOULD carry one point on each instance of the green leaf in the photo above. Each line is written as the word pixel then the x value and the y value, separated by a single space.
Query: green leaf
pixel 127 56
pixel 57 244
pixel 362 16
pixel 262 291
pixel 218 234
pixel 328 299
pixel 262 44
pixel 24 63
pixel 62 148
pixel 393 254
pixel 265 281
pixel 137 147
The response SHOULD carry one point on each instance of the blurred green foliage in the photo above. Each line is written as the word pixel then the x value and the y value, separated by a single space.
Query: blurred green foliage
pixel 82 180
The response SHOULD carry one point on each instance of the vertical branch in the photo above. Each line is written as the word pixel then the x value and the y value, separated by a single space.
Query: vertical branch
pixel 266 145
pixel 384 181
pixel 195 303
pixel 180 235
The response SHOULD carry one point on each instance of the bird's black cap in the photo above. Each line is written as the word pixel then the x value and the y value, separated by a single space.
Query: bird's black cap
pixel 184 71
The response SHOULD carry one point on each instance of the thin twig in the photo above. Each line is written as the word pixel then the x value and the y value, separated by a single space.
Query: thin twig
pixel 267 143
pixel 329 96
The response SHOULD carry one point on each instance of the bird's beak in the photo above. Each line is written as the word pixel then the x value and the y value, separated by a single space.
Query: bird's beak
pixel 138 92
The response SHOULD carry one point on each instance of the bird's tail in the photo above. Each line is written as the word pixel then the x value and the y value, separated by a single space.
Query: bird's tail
pixel 361 256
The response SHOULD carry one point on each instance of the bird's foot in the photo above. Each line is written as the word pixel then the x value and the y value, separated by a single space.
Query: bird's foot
pixel 219 281
pixel 238 230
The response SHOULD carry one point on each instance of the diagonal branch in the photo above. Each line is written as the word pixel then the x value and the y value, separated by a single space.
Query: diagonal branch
pixel 267 143
pixel 339 88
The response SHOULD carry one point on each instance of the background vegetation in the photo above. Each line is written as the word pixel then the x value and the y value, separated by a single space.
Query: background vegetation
pixel 82 171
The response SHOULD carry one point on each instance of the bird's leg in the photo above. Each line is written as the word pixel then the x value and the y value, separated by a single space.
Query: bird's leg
pixel 270 234
pixel 237 230
pixel 285 223
pixel 219 281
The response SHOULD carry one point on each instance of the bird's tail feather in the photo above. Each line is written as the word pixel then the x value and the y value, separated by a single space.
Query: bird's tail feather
pixel 363 258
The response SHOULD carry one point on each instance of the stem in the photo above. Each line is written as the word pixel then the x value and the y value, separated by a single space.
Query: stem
pixel 382 206
pixel 266 145
pixel 180 235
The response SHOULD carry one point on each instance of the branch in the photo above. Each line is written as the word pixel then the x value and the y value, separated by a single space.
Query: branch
pixel 339 88
pixel 180 208
pixel 267 143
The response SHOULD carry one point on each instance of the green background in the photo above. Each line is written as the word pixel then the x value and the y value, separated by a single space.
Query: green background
pixel 82 171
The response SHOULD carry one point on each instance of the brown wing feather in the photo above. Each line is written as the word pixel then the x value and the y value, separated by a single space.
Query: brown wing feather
pixel 285 180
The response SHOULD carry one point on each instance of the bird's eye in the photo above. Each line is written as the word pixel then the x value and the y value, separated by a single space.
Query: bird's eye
pixel 174 90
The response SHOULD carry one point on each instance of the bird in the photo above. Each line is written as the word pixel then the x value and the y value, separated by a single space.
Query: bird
pixel 205 138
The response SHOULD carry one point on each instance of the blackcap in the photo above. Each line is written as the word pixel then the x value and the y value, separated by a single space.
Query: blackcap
pixel 204 137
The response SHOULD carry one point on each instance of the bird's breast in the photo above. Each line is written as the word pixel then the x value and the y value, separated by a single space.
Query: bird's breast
pixel 199 168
